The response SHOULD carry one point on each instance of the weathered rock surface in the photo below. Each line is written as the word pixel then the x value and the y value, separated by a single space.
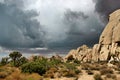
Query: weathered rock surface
pixel 108 46
pixel 82 53
pixel 111 33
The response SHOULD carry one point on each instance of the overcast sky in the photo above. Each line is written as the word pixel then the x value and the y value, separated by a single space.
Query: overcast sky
pixel 41 25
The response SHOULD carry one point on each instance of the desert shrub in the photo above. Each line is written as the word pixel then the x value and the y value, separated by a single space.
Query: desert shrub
pixel 70 73
pixel 77 61
pixel 87 66
pixel 55 62
pixel 111 76
pixel 40 66
pixel 53 69
pixel 34 67
pixel 106 71
pixel 4 61
pixel 78 71
pixel 49 75
pixel 35 58
pixel 70 66
pixel 23 60
pixel 97 77
pixel 51 72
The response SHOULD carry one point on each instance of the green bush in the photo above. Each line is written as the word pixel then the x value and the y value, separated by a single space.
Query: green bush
pixel 40 66
pixel 78 71
pixel 4 61
pixel 70 66
pixel 55 62
pixel 34 67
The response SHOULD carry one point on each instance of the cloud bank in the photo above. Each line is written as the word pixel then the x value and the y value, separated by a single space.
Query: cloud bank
pixel 52 24
pixel 105 7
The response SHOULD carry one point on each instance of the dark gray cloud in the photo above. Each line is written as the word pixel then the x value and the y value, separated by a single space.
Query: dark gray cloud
pixel 105 7
pixel 65 27
pixel 18 28
pixel 80 28
pixel 71 16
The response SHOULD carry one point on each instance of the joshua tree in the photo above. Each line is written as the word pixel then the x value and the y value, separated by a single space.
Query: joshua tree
pixel 15 56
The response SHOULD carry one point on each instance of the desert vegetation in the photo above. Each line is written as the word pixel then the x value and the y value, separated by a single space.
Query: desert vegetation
pixel 18 67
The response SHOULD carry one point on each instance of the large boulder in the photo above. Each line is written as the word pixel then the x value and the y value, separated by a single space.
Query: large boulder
pixel 82 53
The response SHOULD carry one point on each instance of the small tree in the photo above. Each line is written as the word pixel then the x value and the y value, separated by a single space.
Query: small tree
pixel 15 56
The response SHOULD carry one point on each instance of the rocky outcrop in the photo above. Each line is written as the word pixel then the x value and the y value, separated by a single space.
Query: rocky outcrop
pixel 82 53
pixel 109 43
pixel 110 39
pixel 111 33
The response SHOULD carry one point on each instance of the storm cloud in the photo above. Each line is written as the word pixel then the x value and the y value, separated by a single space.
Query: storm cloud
pixel 18 28
pixel 52 24
pixel 105 7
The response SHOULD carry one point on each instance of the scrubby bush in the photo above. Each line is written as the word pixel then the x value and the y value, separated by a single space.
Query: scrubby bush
pixel 49 74
pixel 40 66
pixel 112 76
pixel 106 71
pixel 34 67
pixel 97 77
pixel 87 66
pixel 70 66
pixel 78 71
pixel 22 60
pixel 55 62
pixel 77 61
pixel 4 61
pixel 70 73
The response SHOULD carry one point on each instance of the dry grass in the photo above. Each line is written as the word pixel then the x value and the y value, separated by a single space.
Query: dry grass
pixel 11 73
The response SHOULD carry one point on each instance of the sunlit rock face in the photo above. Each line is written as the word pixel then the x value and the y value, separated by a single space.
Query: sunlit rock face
pixel 108 47
pixel 83 53
pixel 109 42
pixel 111 33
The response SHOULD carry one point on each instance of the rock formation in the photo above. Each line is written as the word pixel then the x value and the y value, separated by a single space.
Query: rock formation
pixel 82 53
pixel 109 43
